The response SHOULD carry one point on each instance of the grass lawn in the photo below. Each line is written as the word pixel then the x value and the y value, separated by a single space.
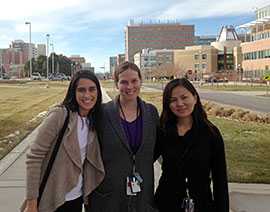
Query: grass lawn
pixel 247 144
pixel 20 105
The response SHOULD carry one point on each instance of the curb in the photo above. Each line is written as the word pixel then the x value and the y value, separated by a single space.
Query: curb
pixel 13 155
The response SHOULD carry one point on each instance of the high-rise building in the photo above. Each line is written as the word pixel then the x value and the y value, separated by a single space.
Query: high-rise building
pixel 120 58
pixel 156 36
pixel 41 50
pixel 113 64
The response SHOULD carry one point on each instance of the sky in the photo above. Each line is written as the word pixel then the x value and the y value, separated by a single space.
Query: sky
pixel 94 29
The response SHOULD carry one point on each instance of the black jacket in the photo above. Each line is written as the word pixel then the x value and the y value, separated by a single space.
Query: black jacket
pixel 204 161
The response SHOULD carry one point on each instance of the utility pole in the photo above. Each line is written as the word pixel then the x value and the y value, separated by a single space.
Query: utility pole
pixel 30 48
pixel 48 37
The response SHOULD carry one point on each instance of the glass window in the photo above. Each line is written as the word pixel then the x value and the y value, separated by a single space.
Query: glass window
pixel 196 56
pixel 204 56
pixel 204 66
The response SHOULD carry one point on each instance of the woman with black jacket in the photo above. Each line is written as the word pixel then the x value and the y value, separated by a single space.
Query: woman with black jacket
pixel 193 155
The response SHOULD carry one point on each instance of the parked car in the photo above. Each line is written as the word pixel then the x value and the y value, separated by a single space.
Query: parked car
pixel 58 76
pixel 5 76
pixel 214 79
pixel 36 76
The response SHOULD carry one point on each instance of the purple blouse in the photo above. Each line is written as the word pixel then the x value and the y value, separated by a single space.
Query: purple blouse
pixel 133 131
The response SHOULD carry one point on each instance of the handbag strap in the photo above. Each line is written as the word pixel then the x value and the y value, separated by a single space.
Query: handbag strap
pixel 52 158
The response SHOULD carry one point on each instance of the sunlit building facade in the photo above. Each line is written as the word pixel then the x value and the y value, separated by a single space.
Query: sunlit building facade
pixel 139 36
pixel 256 52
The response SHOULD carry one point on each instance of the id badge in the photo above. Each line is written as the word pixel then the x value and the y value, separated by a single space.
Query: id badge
pixel 135 185
pixel 138 177
pixel 128 188
pixel 188 204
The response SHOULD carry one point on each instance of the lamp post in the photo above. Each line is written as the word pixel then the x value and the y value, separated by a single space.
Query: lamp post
pixel 29 48
pixel 1 64
pixel 48 37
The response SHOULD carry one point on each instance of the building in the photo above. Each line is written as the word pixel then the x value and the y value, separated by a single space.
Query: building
pixel 20 45
pixel 139 36
pixel 196 62
pixel 204 40
pixel 77 59
pixel 113 64
pixel 256 52
pixel 77 62
pixel 229 56
pixel 149 59
pixel 88 67
pixel 41 50
pixel 14 58
pixel 220 60
pixel 120 58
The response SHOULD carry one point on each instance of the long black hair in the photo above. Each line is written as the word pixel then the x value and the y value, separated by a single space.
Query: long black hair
pixel 70 100
pixel 169 119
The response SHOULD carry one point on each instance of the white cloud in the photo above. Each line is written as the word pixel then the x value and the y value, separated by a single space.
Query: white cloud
pixel 18 9
pixel 69 22
pixel 192 9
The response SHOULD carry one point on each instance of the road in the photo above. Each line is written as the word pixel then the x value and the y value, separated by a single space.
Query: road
pixel 248 100
pixel 251 102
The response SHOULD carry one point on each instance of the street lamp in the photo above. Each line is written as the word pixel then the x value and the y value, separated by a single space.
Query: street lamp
pixel 48 37
pixel 29 49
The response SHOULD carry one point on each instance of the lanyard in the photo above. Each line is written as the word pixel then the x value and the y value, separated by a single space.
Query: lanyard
pixel 128 134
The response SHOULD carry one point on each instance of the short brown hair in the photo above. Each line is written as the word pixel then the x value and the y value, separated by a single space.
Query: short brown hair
pixel 125 66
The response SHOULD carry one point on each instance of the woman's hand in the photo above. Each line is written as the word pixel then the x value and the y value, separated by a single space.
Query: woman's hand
pixel 31 206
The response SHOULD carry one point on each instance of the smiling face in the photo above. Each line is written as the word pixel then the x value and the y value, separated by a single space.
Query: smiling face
pixel 129 84
pixel 182 102
pixel 86 95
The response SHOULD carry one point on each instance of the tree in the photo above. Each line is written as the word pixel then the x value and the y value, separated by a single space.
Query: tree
pixel 62 64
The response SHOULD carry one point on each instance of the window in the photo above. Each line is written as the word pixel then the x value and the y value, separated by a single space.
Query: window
pixel 204 66
pixel 204 56
pixel 196 56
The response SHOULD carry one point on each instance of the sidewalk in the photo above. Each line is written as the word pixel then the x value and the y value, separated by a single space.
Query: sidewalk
pixel 244 197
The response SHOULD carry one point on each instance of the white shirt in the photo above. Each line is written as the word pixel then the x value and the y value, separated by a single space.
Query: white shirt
pixel 82 134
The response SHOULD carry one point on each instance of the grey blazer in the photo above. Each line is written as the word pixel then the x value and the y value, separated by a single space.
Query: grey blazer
pixel 110 195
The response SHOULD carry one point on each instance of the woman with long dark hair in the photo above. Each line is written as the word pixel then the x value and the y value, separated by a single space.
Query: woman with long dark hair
pixel 193 155
pixel 78 167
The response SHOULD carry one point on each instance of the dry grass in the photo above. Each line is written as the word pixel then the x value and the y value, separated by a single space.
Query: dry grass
pixel 20 105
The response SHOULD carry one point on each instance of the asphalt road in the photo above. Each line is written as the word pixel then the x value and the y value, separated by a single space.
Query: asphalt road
pixel 251 102
pixel 247 100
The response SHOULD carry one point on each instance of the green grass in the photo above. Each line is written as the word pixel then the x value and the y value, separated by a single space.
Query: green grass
pixel 247 144
pixel 20 104
pixel 247 148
